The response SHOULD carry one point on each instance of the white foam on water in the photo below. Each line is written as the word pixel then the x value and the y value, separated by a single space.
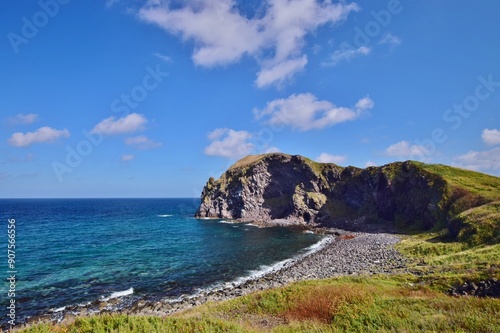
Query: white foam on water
pixel 254 274
pixel 165 215
pixel 119 294
pixel 317 246
pixel 267 269
pixel 59 309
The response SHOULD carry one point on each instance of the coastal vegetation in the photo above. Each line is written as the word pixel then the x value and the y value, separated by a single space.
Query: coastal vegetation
pixel 461 248
pixel 417 302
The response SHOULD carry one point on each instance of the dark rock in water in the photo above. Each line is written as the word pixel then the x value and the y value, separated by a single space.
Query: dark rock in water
pixel 280 189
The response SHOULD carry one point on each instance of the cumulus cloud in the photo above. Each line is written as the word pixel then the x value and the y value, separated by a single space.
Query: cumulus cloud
pixel 42 135
pixel 281 72
pixel 229 143
pixel 370 164
pixel 223 35
pixel 127 158
pixel 347 55
pixel 491 137
pixel 129 124
pixel 390 39
pixel 404 149
pixel 23 119
pixel 328 158
pixel 488 160
pixel 142 142
pixel 305 112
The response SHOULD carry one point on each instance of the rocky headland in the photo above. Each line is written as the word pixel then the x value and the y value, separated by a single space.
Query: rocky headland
pixel 281 189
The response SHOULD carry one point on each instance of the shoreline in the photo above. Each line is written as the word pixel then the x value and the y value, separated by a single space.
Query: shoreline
pixel 339 253
pixel 363 254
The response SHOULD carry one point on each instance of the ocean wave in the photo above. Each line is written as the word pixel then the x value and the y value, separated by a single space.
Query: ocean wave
pixel 317 246
pixel 165 215
pixel 263 270
pixel 118 294
pixel 268 269
pixel 226 222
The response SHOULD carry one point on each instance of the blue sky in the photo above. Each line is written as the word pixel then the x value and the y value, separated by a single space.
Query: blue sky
pixel 125 98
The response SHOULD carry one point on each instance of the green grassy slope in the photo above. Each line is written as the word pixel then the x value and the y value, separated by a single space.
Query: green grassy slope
pixel 350 304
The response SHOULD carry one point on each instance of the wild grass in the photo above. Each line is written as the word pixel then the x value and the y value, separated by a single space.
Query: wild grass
pixel 478 183
pixel 377 304
pixel 131 324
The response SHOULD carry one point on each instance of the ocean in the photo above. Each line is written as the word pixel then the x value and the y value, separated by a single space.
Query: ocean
pixel 73 251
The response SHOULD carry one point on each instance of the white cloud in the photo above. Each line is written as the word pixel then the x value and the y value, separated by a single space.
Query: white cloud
pixel 129 124
pixel 272 150
pixel 365 104
pixel 229 143
pixel 281 72
pixel 127 158
pixel 305 112
pixel 370 164
pixel 406 150
pixel 222 35
pixel 491 137
pixel 23 119
pixel 142 142
pixel 217 133
pixel 328 158
pixel 347 55
pixel 42 135
pixel 488 160
pixel 390 39
pixel 162 57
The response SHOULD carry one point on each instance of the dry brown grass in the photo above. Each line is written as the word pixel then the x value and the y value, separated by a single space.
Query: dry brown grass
pixel 321 303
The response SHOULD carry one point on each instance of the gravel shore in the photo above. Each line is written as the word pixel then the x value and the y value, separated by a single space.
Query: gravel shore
pixel 346 254
pixel 340 253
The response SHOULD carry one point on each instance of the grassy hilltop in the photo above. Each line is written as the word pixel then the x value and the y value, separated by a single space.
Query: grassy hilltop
pixel 463 245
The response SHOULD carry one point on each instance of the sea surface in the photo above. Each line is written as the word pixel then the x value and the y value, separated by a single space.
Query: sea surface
pixel 73 251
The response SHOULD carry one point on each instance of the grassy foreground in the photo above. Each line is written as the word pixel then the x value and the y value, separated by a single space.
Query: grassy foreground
pixel 398 303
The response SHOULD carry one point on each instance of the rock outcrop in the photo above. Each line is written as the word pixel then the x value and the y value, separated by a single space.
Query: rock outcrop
pixel 293 190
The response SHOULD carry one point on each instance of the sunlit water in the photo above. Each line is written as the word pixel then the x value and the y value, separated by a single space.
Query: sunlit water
pixel 73 251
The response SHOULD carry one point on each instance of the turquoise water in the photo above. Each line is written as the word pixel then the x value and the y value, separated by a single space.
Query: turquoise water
pixel 71 251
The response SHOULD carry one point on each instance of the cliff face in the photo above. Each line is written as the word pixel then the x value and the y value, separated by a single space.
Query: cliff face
pixel 285 189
